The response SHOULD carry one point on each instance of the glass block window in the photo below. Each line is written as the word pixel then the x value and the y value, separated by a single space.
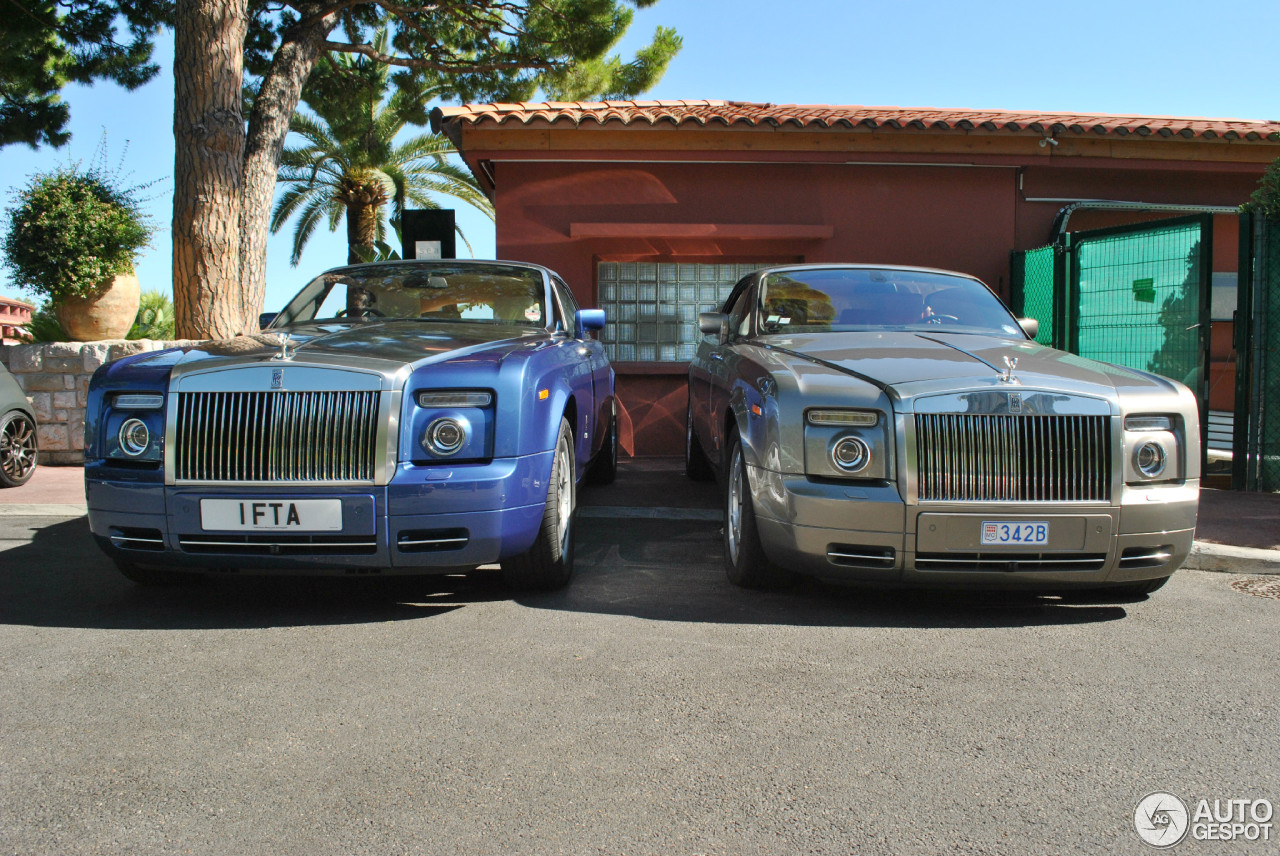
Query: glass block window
pixel 652 307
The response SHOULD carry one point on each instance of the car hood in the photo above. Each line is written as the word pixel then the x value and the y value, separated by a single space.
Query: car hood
pixel 406 342
pixel 896 359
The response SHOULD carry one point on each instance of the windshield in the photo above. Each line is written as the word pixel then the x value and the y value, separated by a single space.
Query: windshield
pixel 476 293
pixel 851 299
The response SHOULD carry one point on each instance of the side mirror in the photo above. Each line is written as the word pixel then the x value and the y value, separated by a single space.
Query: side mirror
pixel 590 319
pixel 1030 326
pixel 713 323
pixel 265 319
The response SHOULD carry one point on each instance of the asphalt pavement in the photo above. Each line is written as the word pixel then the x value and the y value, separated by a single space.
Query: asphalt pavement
pixel 648 708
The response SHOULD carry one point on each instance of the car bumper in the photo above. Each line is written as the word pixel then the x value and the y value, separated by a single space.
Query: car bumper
pixel 425 520
pixel 868 534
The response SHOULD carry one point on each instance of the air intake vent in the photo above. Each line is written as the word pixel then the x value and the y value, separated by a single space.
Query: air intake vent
pixel 1010 562
pixel 1146 557
pixel 432 540
pixel 130 538
pixel 860 556
pixel 999 458
pixel 280 545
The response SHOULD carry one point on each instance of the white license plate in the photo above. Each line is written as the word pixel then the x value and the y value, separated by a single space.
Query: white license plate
pixel 288 515
pixel 1010 533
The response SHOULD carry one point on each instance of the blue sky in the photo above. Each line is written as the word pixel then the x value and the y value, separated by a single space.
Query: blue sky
pixel 1171 58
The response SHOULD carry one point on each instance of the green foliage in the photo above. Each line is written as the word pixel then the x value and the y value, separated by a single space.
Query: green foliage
pixel 350 162
pixel 73 230
pixel 49 43
pixel 45 327
pixel 1266 199
pixel 155 317
pixel 482 50
pixel 154 321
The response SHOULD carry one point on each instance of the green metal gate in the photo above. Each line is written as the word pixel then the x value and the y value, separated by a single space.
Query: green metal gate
pixel 1256 463
pixel 1136 295
pixel 1139 297
pixel 1033 290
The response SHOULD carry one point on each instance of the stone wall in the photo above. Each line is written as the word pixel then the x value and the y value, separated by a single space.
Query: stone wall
pixel 55 377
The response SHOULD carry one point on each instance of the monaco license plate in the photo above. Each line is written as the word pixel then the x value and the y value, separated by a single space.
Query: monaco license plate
pixel 290 515
pixel 1010 533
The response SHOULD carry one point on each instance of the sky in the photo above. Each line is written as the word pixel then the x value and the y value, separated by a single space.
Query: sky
pixel 1133 57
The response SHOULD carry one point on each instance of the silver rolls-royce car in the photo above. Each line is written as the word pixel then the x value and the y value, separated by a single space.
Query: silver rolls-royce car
pixel 899 425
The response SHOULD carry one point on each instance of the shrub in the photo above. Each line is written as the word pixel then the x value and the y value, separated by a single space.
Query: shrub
pixel 72 231
pixel 44 326
pixel 155 317
pixel 1266 199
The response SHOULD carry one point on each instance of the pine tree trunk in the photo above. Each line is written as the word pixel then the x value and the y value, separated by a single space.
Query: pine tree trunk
pixel 208 167
pixel 268 125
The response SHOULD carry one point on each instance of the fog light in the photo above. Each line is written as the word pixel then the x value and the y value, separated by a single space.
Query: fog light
pixel 134 437
pixel 1149 459
pixel 445 436
pixel 851 454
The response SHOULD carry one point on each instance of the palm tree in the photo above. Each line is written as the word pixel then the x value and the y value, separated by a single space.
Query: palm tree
pixel 350 162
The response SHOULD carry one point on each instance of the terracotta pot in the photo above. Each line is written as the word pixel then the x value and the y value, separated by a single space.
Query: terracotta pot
pixel 107 315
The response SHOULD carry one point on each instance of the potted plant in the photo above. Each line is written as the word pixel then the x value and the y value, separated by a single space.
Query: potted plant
pixel 73 237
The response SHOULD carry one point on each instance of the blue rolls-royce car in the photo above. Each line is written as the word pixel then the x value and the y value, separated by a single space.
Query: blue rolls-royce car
pixel 396 417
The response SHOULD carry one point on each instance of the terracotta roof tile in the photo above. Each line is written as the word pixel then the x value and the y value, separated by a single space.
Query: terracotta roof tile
pixel 730 113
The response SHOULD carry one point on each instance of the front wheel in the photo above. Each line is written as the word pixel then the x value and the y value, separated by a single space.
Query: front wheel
pixel 745 561
pixel 17 449
pixel 548 564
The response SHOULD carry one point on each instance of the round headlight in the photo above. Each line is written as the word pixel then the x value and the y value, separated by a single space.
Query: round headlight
pixel 850 454
pixel 445 436
pixel 1149 459
pixel 134 437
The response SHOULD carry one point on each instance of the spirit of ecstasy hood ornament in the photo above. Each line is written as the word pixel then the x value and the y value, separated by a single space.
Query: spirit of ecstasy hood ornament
pixel 1011 363
pixel 288 348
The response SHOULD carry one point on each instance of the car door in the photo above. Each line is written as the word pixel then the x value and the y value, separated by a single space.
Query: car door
pixel 722 364
pixel 590 374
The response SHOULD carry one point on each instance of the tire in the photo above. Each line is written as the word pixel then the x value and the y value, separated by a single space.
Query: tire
pixel 146 576
pixel 18 451
pixel 745 561
pixel 604 469
pixel 548 564
pixel 696 465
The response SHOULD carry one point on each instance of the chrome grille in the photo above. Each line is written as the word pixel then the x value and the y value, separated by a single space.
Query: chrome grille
pixel 964 457
pixel 276 436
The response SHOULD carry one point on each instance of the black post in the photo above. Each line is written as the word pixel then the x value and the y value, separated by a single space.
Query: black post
pixel 428 234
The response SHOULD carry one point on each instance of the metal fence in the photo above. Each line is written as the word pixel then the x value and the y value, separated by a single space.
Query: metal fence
pixel 1033 290
pixel 1139 297
pixel 1256 464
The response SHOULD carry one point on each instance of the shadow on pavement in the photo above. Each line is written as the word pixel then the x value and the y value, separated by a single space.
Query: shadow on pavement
pixel 62 579
pixel 667 570
pixel 663 570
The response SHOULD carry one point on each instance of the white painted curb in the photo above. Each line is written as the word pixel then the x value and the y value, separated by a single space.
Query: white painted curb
pixel 1232 560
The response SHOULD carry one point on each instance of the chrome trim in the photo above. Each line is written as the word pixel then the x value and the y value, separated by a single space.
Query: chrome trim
pixel 252 377
pixel 345 545
pixel 964 457
pixel 1010 562
pixel 997 400
pixel 432 541
pixel 124 541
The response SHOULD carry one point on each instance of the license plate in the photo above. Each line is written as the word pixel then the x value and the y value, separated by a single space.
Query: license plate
pixel 1015 533
pixel 291 515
